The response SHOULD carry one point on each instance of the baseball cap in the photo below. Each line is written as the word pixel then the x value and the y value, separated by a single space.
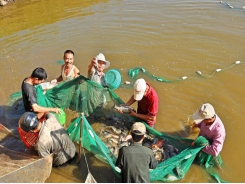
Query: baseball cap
pixel 139 89
pixel 138 128
pixel 28 121
pixel 205 111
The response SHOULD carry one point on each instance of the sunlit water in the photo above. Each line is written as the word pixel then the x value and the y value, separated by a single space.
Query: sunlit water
pixel 170 39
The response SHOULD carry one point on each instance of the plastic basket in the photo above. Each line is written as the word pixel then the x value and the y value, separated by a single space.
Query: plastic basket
pixel 113 79
pixel 61 117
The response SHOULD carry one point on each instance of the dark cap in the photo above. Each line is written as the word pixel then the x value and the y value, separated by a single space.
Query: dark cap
pixel 29 121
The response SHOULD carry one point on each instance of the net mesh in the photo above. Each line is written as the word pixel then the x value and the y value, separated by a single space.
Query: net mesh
pixel 14 165
pixel 94 103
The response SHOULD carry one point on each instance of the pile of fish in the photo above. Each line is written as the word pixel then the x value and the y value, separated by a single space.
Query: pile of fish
pixel 161 148
pixel 114 139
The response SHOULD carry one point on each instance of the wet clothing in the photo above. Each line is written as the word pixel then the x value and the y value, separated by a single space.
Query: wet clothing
pixel 215 133
pixel 69 76
pixel 29 95
pixel 149 104
pixel 135 162
pixel 53 137
pixel 95 76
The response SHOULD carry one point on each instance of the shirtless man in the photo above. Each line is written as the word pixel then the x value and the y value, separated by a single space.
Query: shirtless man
pixel 68 70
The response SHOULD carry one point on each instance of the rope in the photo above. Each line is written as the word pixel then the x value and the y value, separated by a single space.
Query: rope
pixel 230 6
pixel 218 70
pixel 134 72
pixel 81 143
pixel 85 159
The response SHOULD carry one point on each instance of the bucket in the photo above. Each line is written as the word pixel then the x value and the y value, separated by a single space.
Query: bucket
pixel 47 85
pixel 113 79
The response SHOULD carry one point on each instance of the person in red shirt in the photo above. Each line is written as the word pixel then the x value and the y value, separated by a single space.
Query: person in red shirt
pixel 147 99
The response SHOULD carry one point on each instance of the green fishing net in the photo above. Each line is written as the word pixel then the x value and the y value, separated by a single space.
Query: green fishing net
pixel 94 104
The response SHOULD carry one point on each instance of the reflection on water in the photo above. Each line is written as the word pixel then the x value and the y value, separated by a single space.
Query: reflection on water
pixel 170 39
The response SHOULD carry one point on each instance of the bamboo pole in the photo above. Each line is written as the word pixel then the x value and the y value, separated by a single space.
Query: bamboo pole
pixel 80 142
pixel 1 125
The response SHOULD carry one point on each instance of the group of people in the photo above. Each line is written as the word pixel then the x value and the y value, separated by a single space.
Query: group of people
pixel 135 160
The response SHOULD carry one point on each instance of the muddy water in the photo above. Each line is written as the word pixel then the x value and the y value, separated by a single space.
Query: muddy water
pixel 170 39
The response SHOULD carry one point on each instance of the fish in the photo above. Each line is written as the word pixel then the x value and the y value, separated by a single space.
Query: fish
pixel 113 130
pixel 124 143
pixel 124 108
pixel 150 137
pixel 159 155
pixel 114 142
pixel 116 151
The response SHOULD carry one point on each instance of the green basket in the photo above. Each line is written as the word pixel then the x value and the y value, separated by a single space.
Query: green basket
pixel 113 79
pixel 61 117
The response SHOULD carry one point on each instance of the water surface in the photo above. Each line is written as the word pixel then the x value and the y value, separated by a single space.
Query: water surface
pixel 170 39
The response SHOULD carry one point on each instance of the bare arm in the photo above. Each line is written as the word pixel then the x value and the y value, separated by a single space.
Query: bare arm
pixel 76 72
pixel 144 117
pixel 131 101
pixel 60 78
pixel 91 66
pixel 40 109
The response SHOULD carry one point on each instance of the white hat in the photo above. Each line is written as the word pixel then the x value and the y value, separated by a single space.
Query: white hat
pixel 101 57
pixel 139 89
pixel 140 127
pixel 206 111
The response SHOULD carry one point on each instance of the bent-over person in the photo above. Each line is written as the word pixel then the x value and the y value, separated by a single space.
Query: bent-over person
pixel 52 138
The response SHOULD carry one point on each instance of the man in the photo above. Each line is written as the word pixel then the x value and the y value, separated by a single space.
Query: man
pixel 211 127
pixel 96 69
pixel 29 94
pixel 68 70
pixel 52 137
pixel 147 102
pixel 136 159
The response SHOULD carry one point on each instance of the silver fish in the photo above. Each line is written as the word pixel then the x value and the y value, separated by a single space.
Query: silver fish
pixel 116 151
pixel 124 143
pixel 113 140
pixel 159 155
pixel 125 109
pixel 113 130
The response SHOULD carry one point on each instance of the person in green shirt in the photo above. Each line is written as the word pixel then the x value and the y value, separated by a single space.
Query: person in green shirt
pixel 135 160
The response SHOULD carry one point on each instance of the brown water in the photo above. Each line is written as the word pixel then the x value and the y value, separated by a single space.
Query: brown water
pixel 170 39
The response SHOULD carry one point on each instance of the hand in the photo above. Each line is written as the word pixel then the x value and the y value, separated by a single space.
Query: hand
pixel 128 137
pixel 118 110
pixel 193 143
pixel 57 110
pixel 121 105
pixel 94 62
pixel 133 113
pixel 53 81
